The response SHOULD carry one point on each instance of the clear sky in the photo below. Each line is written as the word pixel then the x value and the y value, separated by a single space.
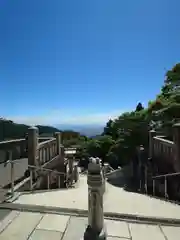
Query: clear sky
pixel 83 61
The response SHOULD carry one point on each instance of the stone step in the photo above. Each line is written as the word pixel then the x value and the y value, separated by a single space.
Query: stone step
pixel 27 225
pixel 84 213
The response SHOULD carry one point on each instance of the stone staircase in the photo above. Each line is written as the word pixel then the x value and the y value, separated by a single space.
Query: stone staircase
pixel 31 220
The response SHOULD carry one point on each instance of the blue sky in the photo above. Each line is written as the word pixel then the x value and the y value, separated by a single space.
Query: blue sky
pixel 83 61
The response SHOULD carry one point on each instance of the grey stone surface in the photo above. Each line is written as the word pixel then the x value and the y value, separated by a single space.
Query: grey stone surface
pixel 117 228
pixel 171 233
pixel 145 232
pixel 116 238
pixel 53 222
pixel 21 227
pixel 8 219
pixel 45 235
pixel 76 228
pixel 36 226
pixel 4 213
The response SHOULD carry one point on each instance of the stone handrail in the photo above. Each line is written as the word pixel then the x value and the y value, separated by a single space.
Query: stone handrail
pixel 18 147
pixel 8 143
pixel 165 177
pixel 47 150
pixel 164 141
pixel 163 147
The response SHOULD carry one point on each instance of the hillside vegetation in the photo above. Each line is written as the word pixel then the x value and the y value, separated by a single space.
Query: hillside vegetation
pixel 10 130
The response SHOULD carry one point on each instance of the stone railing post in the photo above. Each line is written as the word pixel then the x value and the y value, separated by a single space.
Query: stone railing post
pixel 76 173
pixel 143 168
pixel 104 179
pixel 57 135
pixel 32 145
pixel 99 161
pixel 71 165
pixel 95 228
pixel 176 153
pixel 152 134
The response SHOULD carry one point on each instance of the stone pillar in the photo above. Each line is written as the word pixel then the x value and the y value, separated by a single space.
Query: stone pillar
pixel 152 134
pixel 95 229
pixel 57 135
pixel 142 168
pixel 71 165
pixel 76 173
pixel 32 145
pixel 176 153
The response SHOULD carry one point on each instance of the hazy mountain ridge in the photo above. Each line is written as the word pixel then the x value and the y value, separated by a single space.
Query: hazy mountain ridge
pixel 88 130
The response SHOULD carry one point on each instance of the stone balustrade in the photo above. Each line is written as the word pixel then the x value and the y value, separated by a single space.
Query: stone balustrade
pixel 162 148
pixel 41 153
pixel 16 147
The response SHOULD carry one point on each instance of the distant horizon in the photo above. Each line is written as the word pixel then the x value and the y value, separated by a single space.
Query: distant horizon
pixel 60 119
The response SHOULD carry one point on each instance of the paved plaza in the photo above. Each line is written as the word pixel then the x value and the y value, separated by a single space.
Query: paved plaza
pixel 37 226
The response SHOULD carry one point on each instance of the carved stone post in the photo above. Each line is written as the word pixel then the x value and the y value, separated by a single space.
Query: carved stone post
pixel 95 229
pixel 176 139
pixel 142 161
pixel 32 145
pixel 57 135
pixel 76 173
pixel 71 164
pixel 104 179
pixel 152 134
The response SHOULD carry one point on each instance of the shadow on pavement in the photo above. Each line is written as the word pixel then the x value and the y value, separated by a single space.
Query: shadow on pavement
pixel 124 182
pixel 130 185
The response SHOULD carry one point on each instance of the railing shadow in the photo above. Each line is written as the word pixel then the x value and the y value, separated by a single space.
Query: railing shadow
pixel 129 184
pixel 120 178
pixel 124 182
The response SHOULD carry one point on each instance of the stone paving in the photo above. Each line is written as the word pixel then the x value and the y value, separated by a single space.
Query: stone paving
pixel 116 200
pixel 37 226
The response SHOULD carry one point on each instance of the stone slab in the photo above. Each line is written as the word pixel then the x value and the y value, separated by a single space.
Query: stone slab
pixel 171 233
pixel 145 232
pixel 75 229
pixel 4 213
pixel 54 222
pixel 116 238
pixel 21 227
pixel 40 234
pixel 36 226
pixel 8 219
pixel 117 228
